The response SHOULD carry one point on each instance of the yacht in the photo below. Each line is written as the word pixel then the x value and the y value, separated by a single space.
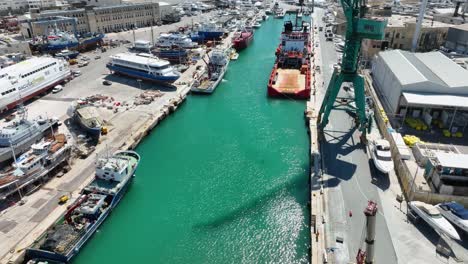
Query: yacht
pixel 381 155
pixel 455 213
pixel 143 66
pixel 432 216
pixel 171 40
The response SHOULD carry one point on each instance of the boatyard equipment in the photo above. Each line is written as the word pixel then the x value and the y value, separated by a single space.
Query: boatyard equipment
pixel 358 28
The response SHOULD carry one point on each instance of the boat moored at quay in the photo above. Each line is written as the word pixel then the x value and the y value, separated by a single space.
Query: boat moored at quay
pixel 68 235
pixel 242 39
pixel 291 74
pixel 143 66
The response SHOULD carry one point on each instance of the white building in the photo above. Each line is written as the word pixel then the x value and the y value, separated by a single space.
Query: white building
pixel 42 4
pixel 423 85
pixel 13 5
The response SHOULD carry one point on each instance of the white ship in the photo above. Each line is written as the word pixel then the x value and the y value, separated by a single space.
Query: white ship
pixel 143 66
pixel 171 40
pixel 29 78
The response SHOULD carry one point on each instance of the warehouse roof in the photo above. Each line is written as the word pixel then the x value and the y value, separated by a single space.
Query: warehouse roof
pixel 434 67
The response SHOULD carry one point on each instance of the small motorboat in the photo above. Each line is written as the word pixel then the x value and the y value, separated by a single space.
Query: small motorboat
pixel 455 213
pixel 434 218
pixel 381 155
pixel 256 25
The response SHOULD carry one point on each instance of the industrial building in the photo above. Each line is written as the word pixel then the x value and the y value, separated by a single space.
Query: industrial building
pixel 425 86
pixel 457 39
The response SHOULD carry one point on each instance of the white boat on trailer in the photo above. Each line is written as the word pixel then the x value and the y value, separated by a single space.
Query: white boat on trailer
pixel 433 218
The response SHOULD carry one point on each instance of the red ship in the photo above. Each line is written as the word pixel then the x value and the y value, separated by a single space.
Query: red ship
pixel 291 74
pixel 241 40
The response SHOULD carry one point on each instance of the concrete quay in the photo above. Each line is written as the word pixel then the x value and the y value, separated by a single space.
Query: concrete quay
pixel 21 225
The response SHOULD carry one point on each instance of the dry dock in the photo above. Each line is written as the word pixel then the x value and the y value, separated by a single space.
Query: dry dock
pixel 128 124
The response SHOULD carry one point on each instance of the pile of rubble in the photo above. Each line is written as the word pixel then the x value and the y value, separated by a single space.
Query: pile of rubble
pixel 147 97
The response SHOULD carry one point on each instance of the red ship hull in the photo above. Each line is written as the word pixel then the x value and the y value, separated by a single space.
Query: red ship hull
pixel 32 95
pixel 291 76
pixel 243 41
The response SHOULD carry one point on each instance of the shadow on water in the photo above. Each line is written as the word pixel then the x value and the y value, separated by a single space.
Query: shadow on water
pixel 293 184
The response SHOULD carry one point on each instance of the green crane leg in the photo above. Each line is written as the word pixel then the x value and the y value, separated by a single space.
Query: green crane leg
pixel 359 98
pixel 330 97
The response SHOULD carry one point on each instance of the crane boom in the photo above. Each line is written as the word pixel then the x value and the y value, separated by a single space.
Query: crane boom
pixel 357 28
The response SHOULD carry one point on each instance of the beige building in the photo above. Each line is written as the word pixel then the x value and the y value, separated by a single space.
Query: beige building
pixel 108 19
pixel 399 35
pixel 97 19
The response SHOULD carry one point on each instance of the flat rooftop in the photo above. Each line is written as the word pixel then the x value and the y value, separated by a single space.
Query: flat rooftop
pixel 400 21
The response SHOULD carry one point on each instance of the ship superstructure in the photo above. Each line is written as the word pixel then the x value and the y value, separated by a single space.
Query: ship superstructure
pixel 29 78
pixel 143 66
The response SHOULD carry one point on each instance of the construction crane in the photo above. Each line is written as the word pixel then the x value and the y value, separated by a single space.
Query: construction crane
pixel 357 28
pixel 367 256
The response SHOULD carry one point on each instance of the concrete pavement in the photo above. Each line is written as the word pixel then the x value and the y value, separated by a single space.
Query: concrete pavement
pixel 347 178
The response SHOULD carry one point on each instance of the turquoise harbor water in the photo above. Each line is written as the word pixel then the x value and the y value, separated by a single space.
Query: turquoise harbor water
pixel 222 180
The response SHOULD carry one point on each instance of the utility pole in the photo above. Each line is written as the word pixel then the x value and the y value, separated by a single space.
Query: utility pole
pixel 417 31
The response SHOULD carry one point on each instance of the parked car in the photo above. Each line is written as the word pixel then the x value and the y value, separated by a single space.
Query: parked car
pixel 106 82
pixel 97 57
pixel 76 73
pixel 57 88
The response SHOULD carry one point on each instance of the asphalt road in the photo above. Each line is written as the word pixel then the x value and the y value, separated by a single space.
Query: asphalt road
pixel 347 174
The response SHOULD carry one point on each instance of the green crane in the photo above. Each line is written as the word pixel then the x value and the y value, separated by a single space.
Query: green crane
pixel 357 29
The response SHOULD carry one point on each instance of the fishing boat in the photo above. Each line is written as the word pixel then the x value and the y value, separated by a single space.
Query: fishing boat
pixel 143 66
pixel 88 119
pixel 24 80
pixel 433 218
pixel 242 39
pixel 216 67
pixel 32 168
pixel 455 213
pixel 21 133
pixel 208 31
pixel 63 240
pixel 59 40
pixel 67 54
pixel 381 155
pixel 291 73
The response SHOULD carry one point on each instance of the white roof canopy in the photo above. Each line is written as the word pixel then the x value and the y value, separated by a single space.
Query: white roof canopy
pixel 451 160
pixel 441 100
